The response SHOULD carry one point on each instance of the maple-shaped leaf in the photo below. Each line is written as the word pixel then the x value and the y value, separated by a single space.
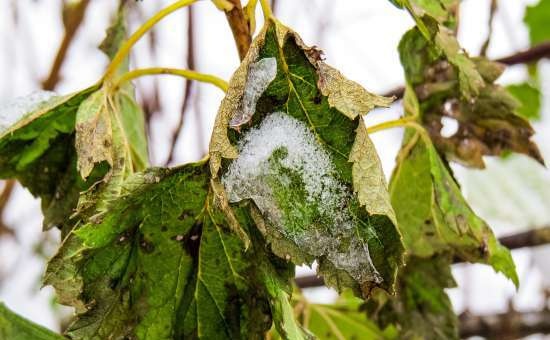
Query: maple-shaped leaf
pixel 421 308
pixel 163 264
pixel 449 84
pixel 290 137
pixel 15 327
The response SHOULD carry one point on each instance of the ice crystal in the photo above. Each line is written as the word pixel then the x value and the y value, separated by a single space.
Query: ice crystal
pixel 291 178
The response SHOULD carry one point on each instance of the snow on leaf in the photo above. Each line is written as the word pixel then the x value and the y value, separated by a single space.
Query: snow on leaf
pixel 299 158
pixel 14 110
pixel 283 169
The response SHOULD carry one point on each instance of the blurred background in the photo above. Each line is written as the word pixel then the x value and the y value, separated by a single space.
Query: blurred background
pixel 43 45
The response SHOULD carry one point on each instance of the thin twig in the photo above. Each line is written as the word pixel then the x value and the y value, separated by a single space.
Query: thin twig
pixel 188 85
pixel 239 27
pixel 72 20
pixel 505 326
pixel 4 199
pixel 492 11
pixel 530 55
pixel 530 238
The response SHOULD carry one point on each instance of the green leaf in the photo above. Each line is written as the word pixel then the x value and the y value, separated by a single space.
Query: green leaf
pixel 38 150
pixel 529 98
pixel 536 18
pixel 15 327
pixel 433 216
pixel 162 264
pixel 345 319
pixel 421 309
pixel 450 84
pixel 300 151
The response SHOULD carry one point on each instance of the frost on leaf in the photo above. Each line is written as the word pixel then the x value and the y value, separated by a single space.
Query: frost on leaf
pixel 300 156
pixel 292 180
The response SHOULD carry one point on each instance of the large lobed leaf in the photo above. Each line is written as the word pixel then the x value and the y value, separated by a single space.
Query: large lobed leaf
pixel 163 264
pixel 301 153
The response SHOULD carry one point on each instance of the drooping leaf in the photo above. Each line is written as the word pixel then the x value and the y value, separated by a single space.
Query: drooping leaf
pixel 529 98
pixel 450 84
pixel 301 153
pixel 536 18
pixel 421 309
pixel 433 216
pixel 38 150
pixel 163 264
pixel 15 327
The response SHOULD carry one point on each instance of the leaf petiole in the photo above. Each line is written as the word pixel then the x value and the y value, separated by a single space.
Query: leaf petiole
pixel 192 75
pixel 128 44
pixel 266 9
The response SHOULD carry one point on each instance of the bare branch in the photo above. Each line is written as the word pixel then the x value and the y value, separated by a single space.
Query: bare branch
pixel 530 238
pixel 505 326
pixel 530 55
pixel 72 19
pixel 239 27
pixel 4 199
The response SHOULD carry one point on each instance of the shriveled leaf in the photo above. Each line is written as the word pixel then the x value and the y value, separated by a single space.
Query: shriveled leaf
pixel 300 152
pixel 421 309
pixel 15 327
pixel 434 217
pixel 450 84
pixel 529 98
pixel 537 17
pixel 163 264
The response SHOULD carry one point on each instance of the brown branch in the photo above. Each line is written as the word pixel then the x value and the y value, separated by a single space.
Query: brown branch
pixel 492 11
pixel 530 55
pixel 239 27
pixel 530 238
pixel 72 19
pixel 4 198
pixel 188 85
pixel 505 326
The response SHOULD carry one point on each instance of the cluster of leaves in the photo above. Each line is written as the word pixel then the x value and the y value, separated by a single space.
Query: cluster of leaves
pixel 155 253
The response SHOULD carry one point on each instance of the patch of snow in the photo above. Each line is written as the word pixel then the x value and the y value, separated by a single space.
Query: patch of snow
pixel 260 75
pixel 282 145
pixel 14 110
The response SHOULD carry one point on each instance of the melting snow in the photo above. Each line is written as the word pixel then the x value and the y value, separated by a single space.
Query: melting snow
pixel 331 231
pixel 14 110
pixel 260 75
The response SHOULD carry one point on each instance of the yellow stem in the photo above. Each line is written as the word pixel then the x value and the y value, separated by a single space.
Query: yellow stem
pixel 405 121
pixel 266 9
pixel 409 121
pixel 127 46
pixel 205 78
